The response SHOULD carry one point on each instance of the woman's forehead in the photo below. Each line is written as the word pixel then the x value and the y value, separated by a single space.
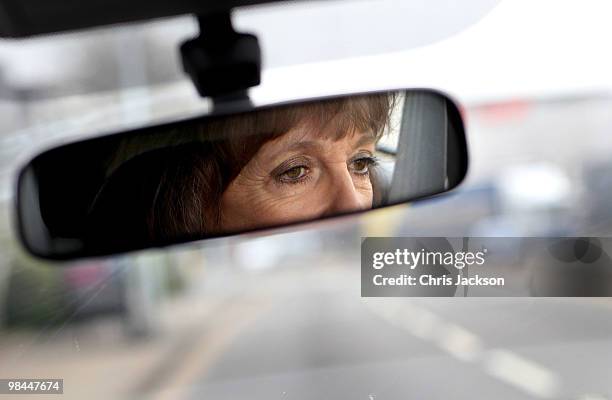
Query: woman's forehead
pixel 305 138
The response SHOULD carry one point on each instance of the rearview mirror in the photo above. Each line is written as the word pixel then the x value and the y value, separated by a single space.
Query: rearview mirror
pixel 229 173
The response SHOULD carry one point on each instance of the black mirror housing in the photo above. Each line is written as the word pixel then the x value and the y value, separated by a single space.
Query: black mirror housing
pixel 186 180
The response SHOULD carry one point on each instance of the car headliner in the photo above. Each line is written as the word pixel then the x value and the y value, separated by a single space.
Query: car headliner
pixel 21 18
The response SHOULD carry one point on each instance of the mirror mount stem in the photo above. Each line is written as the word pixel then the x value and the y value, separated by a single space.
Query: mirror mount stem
pixel 233 102
pixel 222 63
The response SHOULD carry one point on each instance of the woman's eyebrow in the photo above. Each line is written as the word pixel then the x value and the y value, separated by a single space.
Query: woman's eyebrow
pixel 318 146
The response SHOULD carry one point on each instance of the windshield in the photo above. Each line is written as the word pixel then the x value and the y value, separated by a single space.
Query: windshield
pixel 282 316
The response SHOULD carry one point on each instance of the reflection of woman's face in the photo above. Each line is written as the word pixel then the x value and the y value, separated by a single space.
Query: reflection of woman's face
pixel 298 176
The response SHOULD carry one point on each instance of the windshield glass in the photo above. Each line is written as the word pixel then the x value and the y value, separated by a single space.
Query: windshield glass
pixel 282 316
pixel 146 54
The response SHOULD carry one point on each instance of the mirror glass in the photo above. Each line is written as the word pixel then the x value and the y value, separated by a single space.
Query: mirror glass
pixel 229 173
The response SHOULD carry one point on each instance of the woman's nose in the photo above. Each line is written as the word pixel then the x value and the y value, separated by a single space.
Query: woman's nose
pixel 344 196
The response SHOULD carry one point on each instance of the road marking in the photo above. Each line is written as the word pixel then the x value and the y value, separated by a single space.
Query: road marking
pixel 520 372
pixel 422 324
pixel 466 346
pixel 461 343
pixel 592 396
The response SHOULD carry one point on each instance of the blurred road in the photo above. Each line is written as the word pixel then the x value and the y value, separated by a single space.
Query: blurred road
pixel 303 332
pixel 306 333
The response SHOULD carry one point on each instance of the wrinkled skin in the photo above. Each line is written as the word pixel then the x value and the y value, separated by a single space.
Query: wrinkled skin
pixel 300 176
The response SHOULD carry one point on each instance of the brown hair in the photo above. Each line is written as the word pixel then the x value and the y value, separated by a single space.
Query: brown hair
pixel 175 179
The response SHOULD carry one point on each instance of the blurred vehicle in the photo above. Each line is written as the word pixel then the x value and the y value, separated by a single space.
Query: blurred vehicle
pixel 85 294
pixel 111 288
pixel 597 211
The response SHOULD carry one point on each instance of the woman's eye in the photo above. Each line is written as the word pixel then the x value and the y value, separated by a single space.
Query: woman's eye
pixel 294 174
pixel 362 165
